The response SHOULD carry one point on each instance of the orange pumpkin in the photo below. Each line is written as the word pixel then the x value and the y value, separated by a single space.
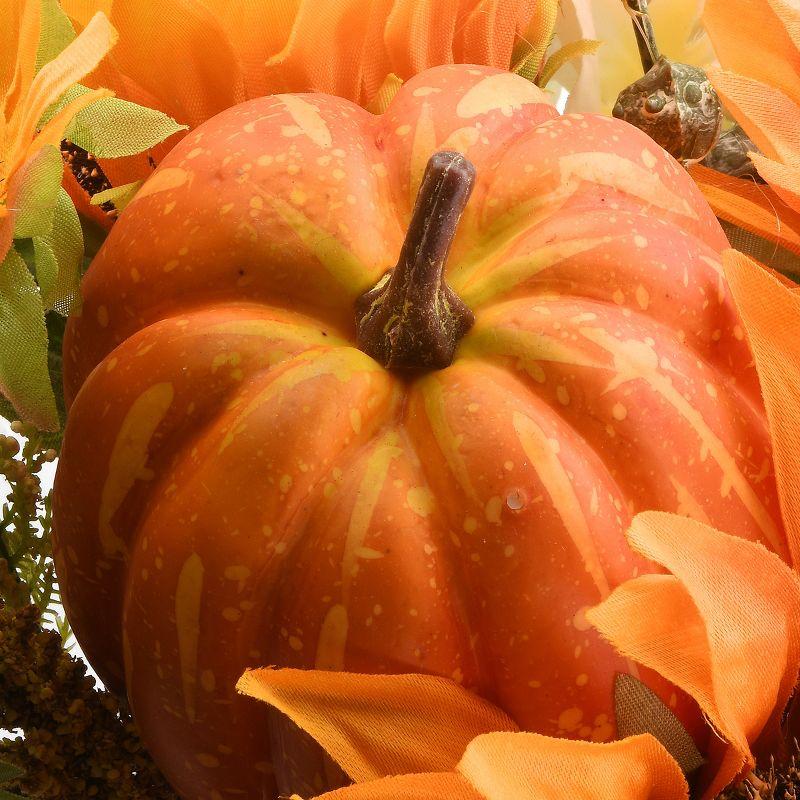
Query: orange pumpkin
pixel 241 484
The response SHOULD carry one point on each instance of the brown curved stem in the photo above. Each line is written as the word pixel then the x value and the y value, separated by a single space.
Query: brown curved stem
pixel 412 319
pixel 645 35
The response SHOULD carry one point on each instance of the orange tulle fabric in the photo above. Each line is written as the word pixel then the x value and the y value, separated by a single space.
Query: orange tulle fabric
pixel 721 625
pixel 759 84
pixel 194 58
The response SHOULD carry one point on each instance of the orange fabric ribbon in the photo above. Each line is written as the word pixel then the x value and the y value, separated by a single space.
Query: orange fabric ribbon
pixel 722 626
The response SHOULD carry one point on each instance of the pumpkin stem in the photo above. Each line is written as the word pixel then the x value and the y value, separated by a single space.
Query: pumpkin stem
pixel 645 35
pixel 411 319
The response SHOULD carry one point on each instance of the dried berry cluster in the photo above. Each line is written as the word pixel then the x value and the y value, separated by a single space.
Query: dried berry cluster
pixel 72 740
pixel 77 742
pixel 771 784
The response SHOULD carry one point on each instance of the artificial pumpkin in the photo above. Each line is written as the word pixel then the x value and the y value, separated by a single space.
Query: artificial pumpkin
pixel 241 484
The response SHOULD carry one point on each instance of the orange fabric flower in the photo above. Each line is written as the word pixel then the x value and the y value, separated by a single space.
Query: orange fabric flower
pixel 192 59
pixel 759 85
pixel 722 626
pixel 419 737
pixel 29 93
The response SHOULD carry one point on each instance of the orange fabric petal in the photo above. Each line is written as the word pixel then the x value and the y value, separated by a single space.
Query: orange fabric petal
pixel 334 48
pixel 722 627
pixel 752 206
pixel 77 59
pixel 19 64
pixel 374 726
pixel 771 57
pixel 173 56
pixel 788 13
pixel 783 179
pixel 521 766
pixel 427 786
pixel 771 315
pixel 767 115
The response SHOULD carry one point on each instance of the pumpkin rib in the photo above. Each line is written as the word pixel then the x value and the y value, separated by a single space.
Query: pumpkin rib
pixel 747 390
pixel 226 473
pixel 487 679
pixel 75 340
pixel 157 456
pixel 575 236
pixel 706 430
pixel 525 529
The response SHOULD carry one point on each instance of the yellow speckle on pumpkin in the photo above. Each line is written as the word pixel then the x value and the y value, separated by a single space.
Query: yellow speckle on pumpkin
pixel 420 500
pixel 492 509
pixel 619 412
pixel 470 524
pixel 570 719
pixel 286 483
pixel 295 643
pixel 207 760
pixel 648 158
pixel 231 614
pixel 355 420
pixel 403 130
pixel 237 572
pixel 102 316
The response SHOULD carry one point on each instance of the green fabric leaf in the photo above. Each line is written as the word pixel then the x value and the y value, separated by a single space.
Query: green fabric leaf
pixel 24 376
pixel 113 128
pixel 39 185
pixel 55 332
pixel 120 196
pixel 8 772
pixel 58 257
pixel 55 34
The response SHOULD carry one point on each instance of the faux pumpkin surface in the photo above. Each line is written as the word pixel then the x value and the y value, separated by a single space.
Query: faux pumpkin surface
pixel 240 485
